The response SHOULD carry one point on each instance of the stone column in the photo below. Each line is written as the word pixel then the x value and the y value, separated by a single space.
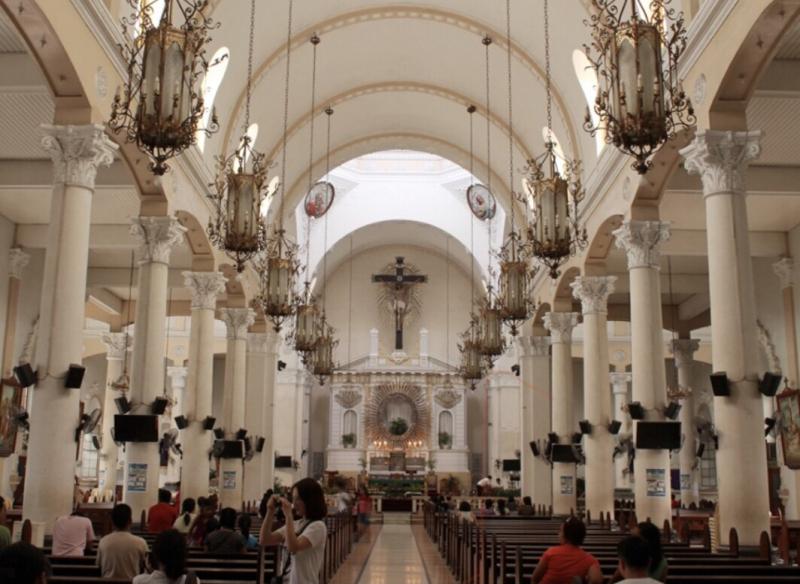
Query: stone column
pixel 205 287
pixel 17 261
pixel 790 479
pixel 720 159
pixel 560 325
pixel 262 358
pixel 641 241
pixel 593 293
pixel 77 152
pixel 534 361
pixel 619 387
pixel 683 351
pixel 237 321
pixel 157 237
pixel 177 384
pixel 117 345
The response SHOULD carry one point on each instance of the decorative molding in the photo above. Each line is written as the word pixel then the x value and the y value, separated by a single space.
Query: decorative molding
pixel 348 398
pixel 157 237
pixel 17 261
pixel 77 152
pixel 784 269
pixel 641 241
pixel 447 398
pixel 720 159
pixel 117 345
pixel 593 292
pixel 683 351
pixel 205 287
pixel 534 346
pixel 237 321
pixel 560 325
pixel 418 426
pixel 177 376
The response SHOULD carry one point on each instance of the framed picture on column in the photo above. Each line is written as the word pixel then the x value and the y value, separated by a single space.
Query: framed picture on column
pixel 789 408
pixel 10 404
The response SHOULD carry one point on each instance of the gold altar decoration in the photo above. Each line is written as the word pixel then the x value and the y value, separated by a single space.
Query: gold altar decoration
pixel 447 398
pixel 348 398
pixel 377 412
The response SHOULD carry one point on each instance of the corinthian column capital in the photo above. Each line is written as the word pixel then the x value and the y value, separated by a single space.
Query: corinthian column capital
pixel 237 321
pixel 720 159
pixel 560 325
pixel 116 345
pixel 157 236
pixel 683 350
pixel 205 287
pixel 784 269
pixel 619 381
pixel 77 152
pixel 641 241
pixel 593 292
pixel 17 261
pixel 535 346
pixel 262 343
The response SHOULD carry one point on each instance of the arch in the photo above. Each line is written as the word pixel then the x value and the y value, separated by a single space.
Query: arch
pixel 405 12
pixel 537 321
pixel 587 79
pixel 445 423
pixel 350 425
pixel 602 240
pixel 562 296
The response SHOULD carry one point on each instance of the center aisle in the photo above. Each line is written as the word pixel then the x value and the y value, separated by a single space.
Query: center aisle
pixel 394 558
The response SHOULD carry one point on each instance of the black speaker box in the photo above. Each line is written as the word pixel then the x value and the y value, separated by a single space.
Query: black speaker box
pixel 208 422
pixel 614 427
pixel 241 433
pixel 720 385
pixel 219 433
pixel 75 375
pixel 534 447
pixel 585 426
pixel 159 406
pixel 181 422
pixel 770 384
pixel 672 410
pixel 25 374
pixel 123 405
pixel 260 444
pixel 636 410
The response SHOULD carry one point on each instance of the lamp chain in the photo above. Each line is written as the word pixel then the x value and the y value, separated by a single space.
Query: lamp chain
pixel 285 113
pixel 548 80
pixel 314 43
pixel 510 123
pixel 250 66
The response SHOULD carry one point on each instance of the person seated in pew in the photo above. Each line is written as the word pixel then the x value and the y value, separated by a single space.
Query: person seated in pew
pixel 187 516
pixel 168 561
pixel 200 526
pixel 511 504
pixel 226 540
pixel 658 563
pixel 22 563
pixel 567 562
pixel 526 508
pixel 635 561
pixel 162 515
pixel 245 522
pixel 72 534
pixel 501 507
pixel 5 534
pixel 488 509
pixel 304 540
pixel 120 554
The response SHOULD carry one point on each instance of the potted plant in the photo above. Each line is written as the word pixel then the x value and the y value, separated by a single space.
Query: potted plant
pixel 398 427
pixel 349 440
pixel 445 440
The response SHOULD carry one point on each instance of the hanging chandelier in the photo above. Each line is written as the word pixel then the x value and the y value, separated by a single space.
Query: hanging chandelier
pixel 515 290
pixel 278 267
pixel 161 107
pixel 236 225
pixel 552 194
pixel 322 361
pixel 635 50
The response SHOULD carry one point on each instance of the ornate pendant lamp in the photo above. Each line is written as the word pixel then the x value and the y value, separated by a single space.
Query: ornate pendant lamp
pixel 278 266
pixel 306 311
pixel 551 196
pixel 635 52
pixel 236 226
pixel 161 107
pixel 514 295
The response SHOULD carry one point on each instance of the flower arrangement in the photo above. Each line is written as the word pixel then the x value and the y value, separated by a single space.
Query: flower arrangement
pixel 398 427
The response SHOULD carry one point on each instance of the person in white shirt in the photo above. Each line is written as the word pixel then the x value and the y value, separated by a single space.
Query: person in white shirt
pixel 187 516
pixel 344 501
pixel 72 534
pixel 303 539
pixel 634 560
pixel 485 485
pixel 120 554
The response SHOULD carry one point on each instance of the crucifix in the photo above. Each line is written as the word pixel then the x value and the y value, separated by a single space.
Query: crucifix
pixel 399 286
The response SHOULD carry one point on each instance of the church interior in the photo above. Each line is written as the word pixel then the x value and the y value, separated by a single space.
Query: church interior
pixel 444 259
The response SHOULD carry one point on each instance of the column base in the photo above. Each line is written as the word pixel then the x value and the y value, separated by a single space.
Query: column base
pixel 599 473
pixel 141 477
pixel 230 483
pixel 565 499
pixel 651 472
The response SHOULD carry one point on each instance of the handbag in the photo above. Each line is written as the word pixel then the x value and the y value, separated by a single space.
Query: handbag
pixel 287 560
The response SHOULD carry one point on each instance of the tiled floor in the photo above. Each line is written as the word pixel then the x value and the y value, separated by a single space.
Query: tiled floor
pixel 395 559
pixel 350 570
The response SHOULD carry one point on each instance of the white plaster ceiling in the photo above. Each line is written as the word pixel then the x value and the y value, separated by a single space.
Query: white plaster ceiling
pixel 10 41
pixel 110 205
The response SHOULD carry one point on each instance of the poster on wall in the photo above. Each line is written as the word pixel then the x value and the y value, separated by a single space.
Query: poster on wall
pixel 789 408
pixel 686 482
pixel 229 479
pixel 656 482
pixel 137 477
pixel 566 485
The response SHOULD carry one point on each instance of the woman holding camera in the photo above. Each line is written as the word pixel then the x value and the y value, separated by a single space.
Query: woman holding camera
pixel 303 538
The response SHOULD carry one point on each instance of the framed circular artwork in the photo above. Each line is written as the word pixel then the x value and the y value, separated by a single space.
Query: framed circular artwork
pixel 481 202
pixel 319 199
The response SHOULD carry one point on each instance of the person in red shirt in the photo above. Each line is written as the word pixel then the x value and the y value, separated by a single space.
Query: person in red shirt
pixel 564 562
pixel 162 515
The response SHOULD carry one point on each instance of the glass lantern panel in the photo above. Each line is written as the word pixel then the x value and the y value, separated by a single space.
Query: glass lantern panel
pixel 151 75
pixel 171 83
pixel 628 75
pixel 648 66
pixel 562 209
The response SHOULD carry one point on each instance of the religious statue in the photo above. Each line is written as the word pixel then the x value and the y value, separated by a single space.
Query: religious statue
pixel 398 294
